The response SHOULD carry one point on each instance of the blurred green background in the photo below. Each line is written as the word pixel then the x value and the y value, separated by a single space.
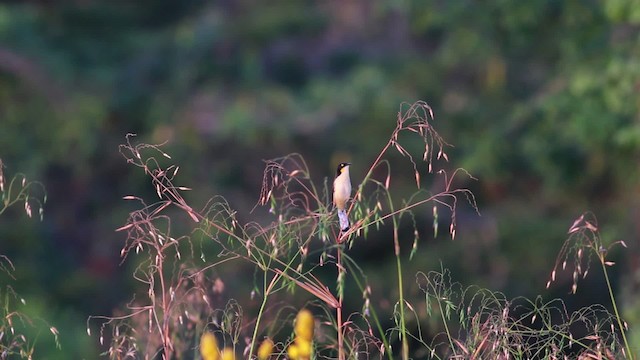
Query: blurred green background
pixel 541 100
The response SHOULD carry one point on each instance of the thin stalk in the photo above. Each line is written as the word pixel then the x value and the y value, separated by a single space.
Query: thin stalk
pixel 166 314
pixel 403 329
pixel 353 267
pixel 446 327
pixel 341 355
pixel 396 245
pixel 615 307
pixel 267 291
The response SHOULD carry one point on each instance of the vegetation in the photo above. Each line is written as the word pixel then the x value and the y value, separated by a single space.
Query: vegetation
pixel 15 325
pixel 291 253
pixel 538 97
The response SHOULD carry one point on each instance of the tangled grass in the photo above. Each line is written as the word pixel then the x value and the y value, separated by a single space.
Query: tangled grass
pixel 184 294
pixel 14 323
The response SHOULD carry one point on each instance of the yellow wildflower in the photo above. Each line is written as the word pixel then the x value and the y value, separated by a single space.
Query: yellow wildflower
pixel 265 350
pixel 228 354
pixel 304 325
pixel 304 348
pixel 209 347
pixel 293 352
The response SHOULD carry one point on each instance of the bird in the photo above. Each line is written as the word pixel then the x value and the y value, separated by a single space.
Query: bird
pixel 342 193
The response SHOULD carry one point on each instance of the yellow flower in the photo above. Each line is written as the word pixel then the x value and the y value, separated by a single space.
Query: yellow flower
pixel 293 352
pixel 265 350
pixel 209 347
pixel 304 348
pixel 228 354
pixel 304 325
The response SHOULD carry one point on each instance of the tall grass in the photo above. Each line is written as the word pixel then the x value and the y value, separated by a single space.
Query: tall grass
pixel 15 325
pixel 183 284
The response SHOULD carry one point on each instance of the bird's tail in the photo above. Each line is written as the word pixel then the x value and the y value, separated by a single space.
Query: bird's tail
pixel 344 220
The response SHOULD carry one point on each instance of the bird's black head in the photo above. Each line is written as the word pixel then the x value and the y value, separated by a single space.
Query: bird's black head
pixel 341 168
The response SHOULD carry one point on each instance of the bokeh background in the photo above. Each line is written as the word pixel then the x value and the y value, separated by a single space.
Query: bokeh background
pixel 541 100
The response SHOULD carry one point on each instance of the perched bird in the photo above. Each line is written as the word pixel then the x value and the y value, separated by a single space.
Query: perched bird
pixel 342 193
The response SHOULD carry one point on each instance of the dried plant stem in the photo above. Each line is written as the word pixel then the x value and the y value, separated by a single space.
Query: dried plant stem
pixel 163 325
pixel 166 338
pixel 340 324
